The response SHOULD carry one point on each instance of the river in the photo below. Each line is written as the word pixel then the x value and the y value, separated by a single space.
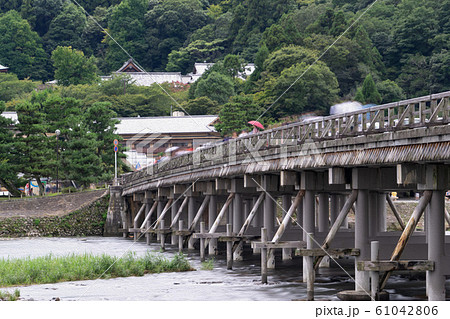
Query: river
pixel 219 284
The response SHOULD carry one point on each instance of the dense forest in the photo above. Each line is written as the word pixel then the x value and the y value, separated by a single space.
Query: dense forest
pixel 397 49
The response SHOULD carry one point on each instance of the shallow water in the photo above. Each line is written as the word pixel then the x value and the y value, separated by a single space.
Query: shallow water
pixel 241 283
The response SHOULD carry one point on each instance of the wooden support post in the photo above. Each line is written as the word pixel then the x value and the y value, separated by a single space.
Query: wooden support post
pixel 136 219
pixel 394 210
pixel 147 225
pixel 407 232
pixel 229 248
pixel 337 224
pixel 248 221
pixel 200 212
pixel 237 224
pixel 288 216
pixel 310 273
pixel 163 236
pixel 191 214
pixel 180 237
pixel 179 212
pixel 374 275
pixel 362 279
pixel 286 253
pixel 202 242
pixel 147 218
pixel 220 216
pixel 212 215
pixel 264 256
pixel 173 213
pixel 163 213
pixel 323 223
pixel 309 225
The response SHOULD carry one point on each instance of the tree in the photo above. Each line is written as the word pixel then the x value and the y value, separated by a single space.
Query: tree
pixel 168 25
pixel 80 160
pixel 9 157
pixel 21 48
pixel 233 65
pixel 301 88
pixel 99 119
pixel 11 87
pixel 390 91
pixel 235 115
pixel 200 106
pixel 126 26
pixel 216 86
pixel 38 158
pixel 72 67
pixel 66 28
pixel 368 93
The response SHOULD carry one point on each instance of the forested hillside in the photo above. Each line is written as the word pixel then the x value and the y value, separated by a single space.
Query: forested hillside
pixel 399 48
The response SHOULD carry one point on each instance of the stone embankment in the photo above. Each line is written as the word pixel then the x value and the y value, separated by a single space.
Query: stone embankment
pixel 77 214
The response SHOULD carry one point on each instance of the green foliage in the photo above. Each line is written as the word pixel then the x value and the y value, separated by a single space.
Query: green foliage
pixel 311 88
pixel 72 67
pixel 208 264
pixel 126 26
pixel 7 296
pixel 66 28
pixel 234 116
pixel 38 158
pixel 216 86
pixel 51 269
pixel 11 87
pixel 21 48
pixel 368 93
pixel 200 106
pixel 9 155
pixel 390 91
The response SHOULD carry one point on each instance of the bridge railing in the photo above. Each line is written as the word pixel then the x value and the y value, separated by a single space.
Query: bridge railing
pixel 430 110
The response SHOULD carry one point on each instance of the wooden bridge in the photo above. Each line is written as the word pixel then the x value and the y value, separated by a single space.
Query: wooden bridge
pixel 291 188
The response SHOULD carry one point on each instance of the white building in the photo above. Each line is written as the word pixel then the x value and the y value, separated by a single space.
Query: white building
pixel 143 78
pixel 146 137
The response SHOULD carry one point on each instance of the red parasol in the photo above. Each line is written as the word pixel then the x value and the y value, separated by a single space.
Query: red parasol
pixel 257 124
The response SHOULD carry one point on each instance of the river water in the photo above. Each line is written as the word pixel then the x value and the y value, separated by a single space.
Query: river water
pixel 219 284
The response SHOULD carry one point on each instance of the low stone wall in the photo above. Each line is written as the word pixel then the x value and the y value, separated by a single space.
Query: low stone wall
pixel 89 220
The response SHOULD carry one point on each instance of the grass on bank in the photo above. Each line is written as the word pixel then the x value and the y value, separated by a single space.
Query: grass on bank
pixel 8 296
pixel 51 269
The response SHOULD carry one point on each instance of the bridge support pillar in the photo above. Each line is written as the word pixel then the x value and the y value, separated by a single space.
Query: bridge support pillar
pixel 286 204
pixel 436 246
pixel 309 225
pixel 159 210
pixel 381 222
pixel 173 212
pixel 212 215
pixel 191 214
pixel 362 239
pixel 237 223
pixel 269 221
pixel 114 216
pixel 323 223
pixel 148 223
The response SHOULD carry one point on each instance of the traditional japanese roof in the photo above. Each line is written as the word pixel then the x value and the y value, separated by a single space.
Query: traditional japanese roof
pixel 3 68
pixel 130 66
pixel 166 124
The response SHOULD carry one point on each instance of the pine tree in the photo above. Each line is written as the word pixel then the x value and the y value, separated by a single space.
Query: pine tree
pixel 368 93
